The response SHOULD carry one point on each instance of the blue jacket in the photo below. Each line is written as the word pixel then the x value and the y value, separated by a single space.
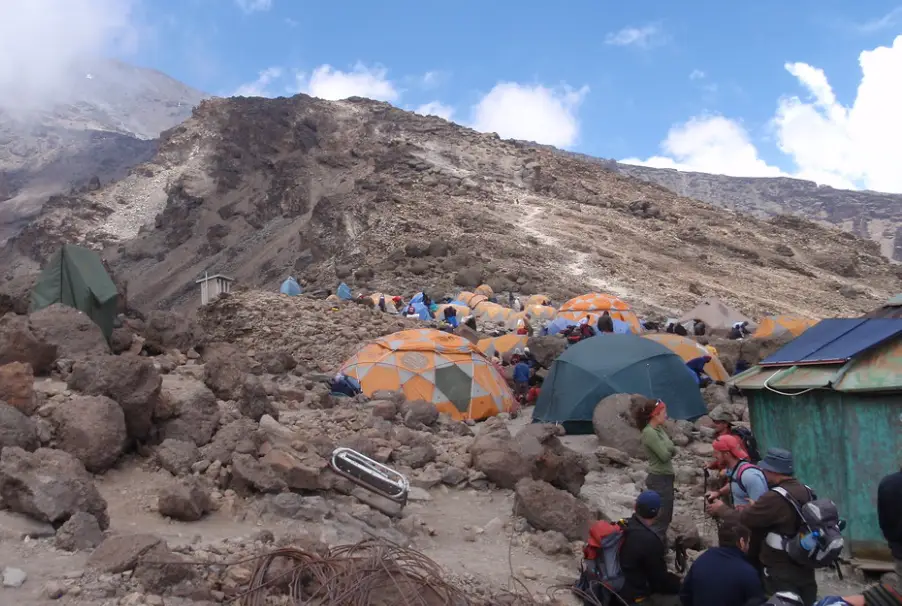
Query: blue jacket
pixel 521 372
pixel 721 576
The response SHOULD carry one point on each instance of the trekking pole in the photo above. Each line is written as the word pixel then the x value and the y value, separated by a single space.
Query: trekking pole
pixel 704 499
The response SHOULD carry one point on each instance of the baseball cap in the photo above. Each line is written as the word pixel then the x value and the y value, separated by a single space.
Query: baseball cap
pixel 648 504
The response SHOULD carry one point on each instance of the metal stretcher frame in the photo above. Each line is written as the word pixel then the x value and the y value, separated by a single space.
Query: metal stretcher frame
pixel 371 475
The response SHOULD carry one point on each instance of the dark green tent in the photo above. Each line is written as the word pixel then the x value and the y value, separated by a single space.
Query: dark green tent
pixel 607 364
pixel 76 277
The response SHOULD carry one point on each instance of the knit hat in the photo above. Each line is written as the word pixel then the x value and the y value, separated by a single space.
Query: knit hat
pixel 648 504
pixel 731 444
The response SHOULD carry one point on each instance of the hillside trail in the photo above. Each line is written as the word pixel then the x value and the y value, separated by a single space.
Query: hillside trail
pixel 537 221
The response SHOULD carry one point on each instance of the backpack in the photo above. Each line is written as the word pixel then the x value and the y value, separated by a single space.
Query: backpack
pixel 818 517
pixel 748 440
pixel 600 574
pixel 741 468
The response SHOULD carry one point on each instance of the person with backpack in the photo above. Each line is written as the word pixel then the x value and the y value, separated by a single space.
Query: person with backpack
pixel 723 425
pixel 721 575
pixel 745 482
pixel 646 579
pixel 889 504
pixel 775 518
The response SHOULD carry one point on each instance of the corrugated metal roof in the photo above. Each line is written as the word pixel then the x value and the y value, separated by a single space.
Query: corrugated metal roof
pixel 877 370
pixel 835 341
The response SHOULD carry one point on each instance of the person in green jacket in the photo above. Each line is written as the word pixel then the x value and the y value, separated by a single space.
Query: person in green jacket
pixel 659 451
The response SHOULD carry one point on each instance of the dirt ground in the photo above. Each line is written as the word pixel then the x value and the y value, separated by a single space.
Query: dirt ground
pixel 469 533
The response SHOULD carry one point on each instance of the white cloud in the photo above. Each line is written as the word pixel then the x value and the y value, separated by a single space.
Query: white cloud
pixel 697 74
pixel 642 37
pixel 534 113
pixel 711 144
pixel 262 86
pixel 43 43
pixel 890 19
pixel 436 108
pixel 253 6
pixel 329 83
pixel 850 147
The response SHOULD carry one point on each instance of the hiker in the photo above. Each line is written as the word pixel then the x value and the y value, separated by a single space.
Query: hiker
pixel 382 307
pixel 412 312
pixel 643 557
pixel 739 330
pixel 889 504
pixel 659 450
pixel 745 482
pixel 697 366
pixel 721 575
pixel 521 378
pixel 398 302
pixel 699 328
pixel 773 518
pixel 723 425
pixel 450 314
pixel 585 328
pixel 605 322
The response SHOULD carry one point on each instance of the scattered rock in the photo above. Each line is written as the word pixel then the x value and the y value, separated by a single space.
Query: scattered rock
pixel 177 456
pixel 17 527
pixel 187 500
pixel 187 409
pixel 17 386
pixel 297 507
pixel 49 485
pixel 73 332
pixel 165 330
pixel 16 429
pixel 80 532
pixel 420 413
pixel 613 423
pixel 251 475
pixel 225 369
pixel 159 570
pixel 14 577
pixel 547 508
pixel 551 543
pixel 254 402
pixel 384 409
pixel 92 429
pixel 119 553
pixel 18 343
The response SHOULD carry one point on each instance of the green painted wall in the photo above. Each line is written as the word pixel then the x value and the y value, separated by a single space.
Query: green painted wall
pixel 843 444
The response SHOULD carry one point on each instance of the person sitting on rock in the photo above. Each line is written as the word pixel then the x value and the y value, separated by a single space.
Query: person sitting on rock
pixel 721 575
pixel 605 322
pixel 412 312
pixel 643 558
pixel 745 482
pixel 739 330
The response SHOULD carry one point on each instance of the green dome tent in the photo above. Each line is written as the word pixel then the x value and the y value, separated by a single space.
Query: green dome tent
pixel 76 277
pixel 613 363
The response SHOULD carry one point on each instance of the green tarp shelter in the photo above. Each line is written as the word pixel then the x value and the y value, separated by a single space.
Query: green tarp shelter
pixel 76 277
pixel 607 364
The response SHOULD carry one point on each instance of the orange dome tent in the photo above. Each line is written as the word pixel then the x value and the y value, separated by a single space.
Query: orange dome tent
pixel 538 300
pixel 594 304
pixel 389 304
pixel 471 299
pixel 435 366
pixel 462 310
pixel 492 312
pixel 688 349
pixel 485 290
pixel 536 313
pixel 505 345
pixel 778 326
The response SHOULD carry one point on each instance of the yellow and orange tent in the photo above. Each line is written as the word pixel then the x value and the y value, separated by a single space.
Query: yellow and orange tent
pixel 504 346
pixel 778 326
pixel 435 366
pixel 389 305
pixel 492 312
pixel 688 349
pixel 540 300
pixel 471 299
pixel 462 310
pixel 485 290
pixel 594 304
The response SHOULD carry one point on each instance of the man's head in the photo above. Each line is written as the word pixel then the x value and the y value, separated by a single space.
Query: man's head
pixel 648 505
pixel 777 465
pixel 728 450
pixel 731 533
pixel 722 420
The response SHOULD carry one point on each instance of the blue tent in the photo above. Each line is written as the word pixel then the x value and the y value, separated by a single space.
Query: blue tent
pixel 621 327
pixel 417 298
pixel 344 292
pixel 291 288
pixel 593 369
pixel 557 325
pixel 422 310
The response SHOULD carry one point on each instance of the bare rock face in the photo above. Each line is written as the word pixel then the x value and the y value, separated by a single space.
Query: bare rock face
pixel 19 343
pixel 49 485
pixel 92 429
pixel 177 456
pixel 17 386
pixel 80 532
pixel 614 425
pixel 227 440
pixel 15 295
pixel 73 333
pixel 187 410
pixel 133 382
pixel 119 553
pixel 16 430
pixel 225 370
pixel 547 508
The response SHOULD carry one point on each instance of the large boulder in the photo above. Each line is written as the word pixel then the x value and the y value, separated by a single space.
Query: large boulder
pixel 188 500
pixel 15 294
pixel 165 330
pixel 225 369
pixel 19 343
pixel 255 402
pixel 177 456
pixel 49 485
pixel 17 430
pixel 73 332
pixel 133 382
pixel 547 508
pixel 614 425
pixel 17 386
pixel 187 410
pixel 546 349
pixel 241 432
pixel 495 453
pixel 91 428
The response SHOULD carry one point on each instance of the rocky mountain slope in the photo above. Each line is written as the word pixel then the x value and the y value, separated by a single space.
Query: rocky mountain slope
pixel 869 214
pixel 100 126
pixel 392 201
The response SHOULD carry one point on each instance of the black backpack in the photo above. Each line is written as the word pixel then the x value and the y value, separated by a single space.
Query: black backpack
pixel 748 440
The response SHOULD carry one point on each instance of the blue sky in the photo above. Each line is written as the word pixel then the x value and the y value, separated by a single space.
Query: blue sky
pixel 755 89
